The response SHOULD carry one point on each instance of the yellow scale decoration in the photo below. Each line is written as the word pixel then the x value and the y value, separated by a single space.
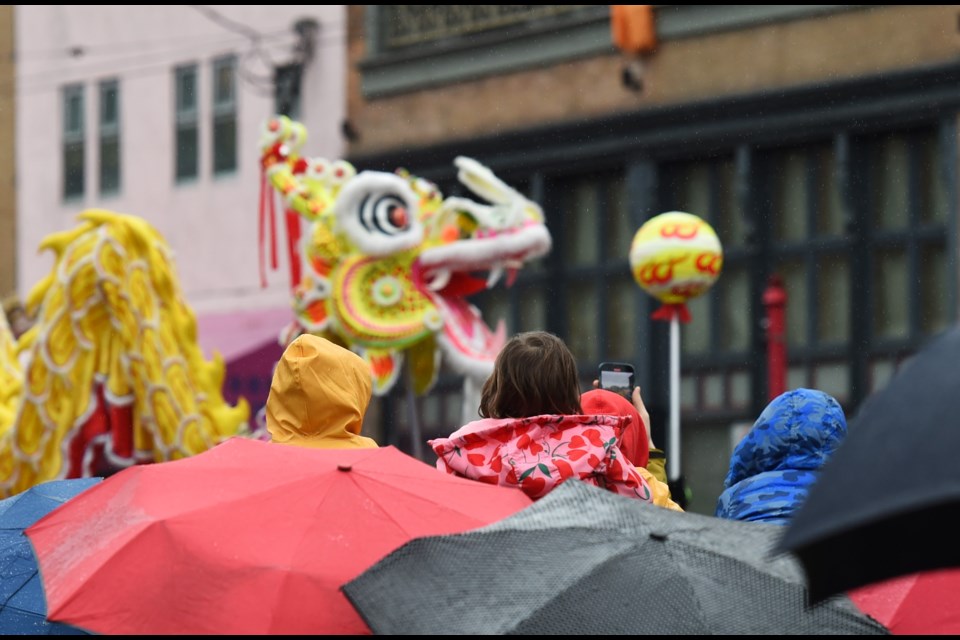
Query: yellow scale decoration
pixel 111 323
pixel 11 378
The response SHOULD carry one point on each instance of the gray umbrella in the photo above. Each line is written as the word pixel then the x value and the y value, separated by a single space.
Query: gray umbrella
pixel 585 561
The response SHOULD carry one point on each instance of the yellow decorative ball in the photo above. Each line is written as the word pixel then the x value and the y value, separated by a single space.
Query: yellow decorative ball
pixel 676 256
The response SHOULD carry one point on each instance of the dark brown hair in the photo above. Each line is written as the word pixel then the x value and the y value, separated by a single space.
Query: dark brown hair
pixel 534 374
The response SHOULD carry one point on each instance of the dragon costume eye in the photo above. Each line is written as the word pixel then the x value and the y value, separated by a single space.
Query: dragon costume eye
pixel 386 213
pixel 379 213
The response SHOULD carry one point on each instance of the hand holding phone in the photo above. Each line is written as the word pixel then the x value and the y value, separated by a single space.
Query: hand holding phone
pixel 618 377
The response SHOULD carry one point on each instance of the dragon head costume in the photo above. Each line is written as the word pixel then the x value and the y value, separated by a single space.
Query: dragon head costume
pixel 388 262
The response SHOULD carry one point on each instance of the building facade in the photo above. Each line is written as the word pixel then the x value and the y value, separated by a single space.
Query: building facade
pixel 8 220
pixel 819 141
pixel 156 111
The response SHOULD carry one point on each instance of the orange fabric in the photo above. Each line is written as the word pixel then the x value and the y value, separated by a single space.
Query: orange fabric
pixel 319 395
pixel 633 28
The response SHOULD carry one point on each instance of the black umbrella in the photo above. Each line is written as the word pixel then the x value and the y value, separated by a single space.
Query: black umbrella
pixel 585 561
pixel 884 504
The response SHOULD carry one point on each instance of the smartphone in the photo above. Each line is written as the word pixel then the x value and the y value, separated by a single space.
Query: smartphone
pixel 617 377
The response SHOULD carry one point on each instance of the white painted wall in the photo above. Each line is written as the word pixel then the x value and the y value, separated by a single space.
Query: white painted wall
pixel 211 223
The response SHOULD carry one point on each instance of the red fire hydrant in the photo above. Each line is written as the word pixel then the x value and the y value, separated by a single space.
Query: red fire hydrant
pixel 775 303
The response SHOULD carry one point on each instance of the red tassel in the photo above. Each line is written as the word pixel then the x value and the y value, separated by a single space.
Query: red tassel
pixel 271 208
pixel 667 313
pixel 293 246
pixel 264 193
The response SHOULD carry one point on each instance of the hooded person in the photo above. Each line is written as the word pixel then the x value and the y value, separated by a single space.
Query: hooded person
pixel 773 467
pixel 635 442
pixel 533 434
pixel 319 395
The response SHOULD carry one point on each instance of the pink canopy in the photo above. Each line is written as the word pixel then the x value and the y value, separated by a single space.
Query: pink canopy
pixel 239 333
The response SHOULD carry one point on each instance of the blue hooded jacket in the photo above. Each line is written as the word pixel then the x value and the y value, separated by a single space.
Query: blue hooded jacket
pixel 775 464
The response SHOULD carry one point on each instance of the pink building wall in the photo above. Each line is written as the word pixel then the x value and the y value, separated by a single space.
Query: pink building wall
pixel 211 223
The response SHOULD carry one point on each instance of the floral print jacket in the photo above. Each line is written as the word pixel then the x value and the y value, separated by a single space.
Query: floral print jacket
pixel 537 453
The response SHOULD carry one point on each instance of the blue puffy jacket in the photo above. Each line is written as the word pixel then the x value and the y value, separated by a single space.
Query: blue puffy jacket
pixel 772 468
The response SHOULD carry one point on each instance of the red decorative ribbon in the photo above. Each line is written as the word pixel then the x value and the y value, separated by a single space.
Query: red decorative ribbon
pixel 293 246
pixel 667 313
pixel 267 210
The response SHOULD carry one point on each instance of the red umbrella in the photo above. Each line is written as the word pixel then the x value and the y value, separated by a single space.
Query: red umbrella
pixel 246 538
pixel 925 603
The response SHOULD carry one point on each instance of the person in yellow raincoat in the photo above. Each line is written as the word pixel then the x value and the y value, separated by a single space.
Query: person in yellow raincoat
pixel 319 395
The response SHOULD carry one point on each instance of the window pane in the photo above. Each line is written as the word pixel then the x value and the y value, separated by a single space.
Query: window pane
pixel 730 227
pixel 880 373
pixel 733 287
pixel 186 89
pixel 620 230
pixel 833 304
pixel 693 191
pixel 890 282
pixel 794 276
pixel 187 149
pixel 224 145
pixel 73 141
pixel 286 81
pixel 833 379
pixel 431 412
pixel 582 322
pixel 622 319
pixel 401 416
pixel 790 197
pixel 934 289
pixel 581 223
pixel 713 391
pixel 223 87
pixel 73 177
pixel 495 306
pixel 534 266
pixel 695 335
pixel 933 191
pixel 108 103
pixel 109 165
pixel 797 378
pixel 688 392
pixel 829 208
pixel 889 184
pixel 533 310
pixel 73 110
pixel 739 389
pixel 453 410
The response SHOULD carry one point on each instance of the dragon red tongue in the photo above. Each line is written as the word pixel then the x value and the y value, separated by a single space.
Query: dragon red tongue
pixel 463 285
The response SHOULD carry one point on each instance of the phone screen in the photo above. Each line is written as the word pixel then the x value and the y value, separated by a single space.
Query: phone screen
pixel 617 381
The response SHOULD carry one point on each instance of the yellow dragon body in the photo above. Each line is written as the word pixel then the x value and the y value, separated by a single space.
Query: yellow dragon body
pixel 111 373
